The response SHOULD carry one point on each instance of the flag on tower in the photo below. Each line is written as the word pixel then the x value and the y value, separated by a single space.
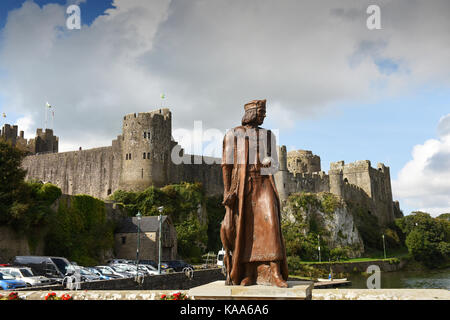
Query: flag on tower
pixel 163 96
pixel 4 115
pixel 48 105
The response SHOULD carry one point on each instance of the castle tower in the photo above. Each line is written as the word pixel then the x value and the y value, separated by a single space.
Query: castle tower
pixel 282 175
pixel 303 161
pixel 146 142
pixel 337 178
pixel 45 142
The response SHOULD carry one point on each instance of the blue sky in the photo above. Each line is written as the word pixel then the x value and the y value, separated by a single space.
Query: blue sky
pixel 332 86
pixel 89 9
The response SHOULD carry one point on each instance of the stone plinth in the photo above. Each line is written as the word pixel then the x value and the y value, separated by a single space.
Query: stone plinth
pixel 297 290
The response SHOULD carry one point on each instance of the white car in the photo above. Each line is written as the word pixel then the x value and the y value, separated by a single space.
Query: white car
pixel 220 256
pixel 26 274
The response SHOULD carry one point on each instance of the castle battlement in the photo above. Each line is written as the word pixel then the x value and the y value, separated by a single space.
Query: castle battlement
pixel 356 181
pixel 164 113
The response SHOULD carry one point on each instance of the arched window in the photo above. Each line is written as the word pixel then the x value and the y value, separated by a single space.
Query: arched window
pixel 148 155
pixel 144 155
pixel 145 135
pixel 126 156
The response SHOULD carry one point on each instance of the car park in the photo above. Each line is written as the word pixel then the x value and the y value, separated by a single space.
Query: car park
pixel 8 282
pixel 26 274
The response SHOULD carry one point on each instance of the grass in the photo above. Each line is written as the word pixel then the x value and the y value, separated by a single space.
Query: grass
pixel 374 256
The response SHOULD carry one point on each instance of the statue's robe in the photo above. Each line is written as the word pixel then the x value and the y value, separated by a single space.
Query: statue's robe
pixel 252 225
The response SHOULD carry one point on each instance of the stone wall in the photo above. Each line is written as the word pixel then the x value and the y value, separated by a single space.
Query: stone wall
pixel 94 172
pixel 13 244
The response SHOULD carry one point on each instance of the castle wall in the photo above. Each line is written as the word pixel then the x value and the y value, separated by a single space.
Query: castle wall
pixel 94 172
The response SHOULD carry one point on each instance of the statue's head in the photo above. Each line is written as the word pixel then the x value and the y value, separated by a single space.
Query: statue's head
pixel 255 112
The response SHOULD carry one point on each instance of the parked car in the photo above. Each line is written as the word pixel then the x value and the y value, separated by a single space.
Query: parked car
pixel 26 274
pixel 54 268
pixel 8 282
pixel 130 268
pixel 124 269
pixel 164 267
pixel 150 270
pixel 220 256
pixel 178 265
pixel 110 272
pixel 100 275
pixel 116 261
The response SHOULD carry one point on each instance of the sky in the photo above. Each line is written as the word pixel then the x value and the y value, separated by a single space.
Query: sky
pixel 333 85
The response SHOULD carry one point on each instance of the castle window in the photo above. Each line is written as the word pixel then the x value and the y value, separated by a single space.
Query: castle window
pixel 142 173
pixel 148 134
pixel 144 155
pixel 145 135
pixel 129 156
pixel 109 192
pixel 148 155
pixel 126 156
pixel 124 240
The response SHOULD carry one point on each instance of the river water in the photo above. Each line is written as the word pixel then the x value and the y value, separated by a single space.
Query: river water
pixel 435 279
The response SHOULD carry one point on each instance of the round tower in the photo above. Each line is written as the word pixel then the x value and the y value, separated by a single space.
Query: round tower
pixel 303 161
pixel 145 150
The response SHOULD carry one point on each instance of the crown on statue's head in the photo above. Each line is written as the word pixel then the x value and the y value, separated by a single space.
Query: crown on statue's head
pixel 255 104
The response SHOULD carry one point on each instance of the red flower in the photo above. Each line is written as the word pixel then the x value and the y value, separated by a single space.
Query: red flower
pixel 163 296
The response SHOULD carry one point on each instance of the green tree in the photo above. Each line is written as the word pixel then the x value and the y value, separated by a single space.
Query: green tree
pixel 427 238
pixel 11 182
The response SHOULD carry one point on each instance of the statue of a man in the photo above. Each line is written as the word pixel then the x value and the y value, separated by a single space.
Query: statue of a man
pixel 251 230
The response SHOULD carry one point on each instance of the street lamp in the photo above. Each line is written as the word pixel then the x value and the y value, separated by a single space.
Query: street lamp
pixel 384 247
pixel 160 209
pixel 138 216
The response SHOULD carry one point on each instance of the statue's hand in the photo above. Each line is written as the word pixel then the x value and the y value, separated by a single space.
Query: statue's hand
pixel 229 199
pixel 267 162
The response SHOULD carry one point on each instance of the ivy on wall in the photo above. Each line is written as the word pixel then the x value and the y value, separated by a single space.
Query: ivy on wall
pixel 183 203
pixel 79 230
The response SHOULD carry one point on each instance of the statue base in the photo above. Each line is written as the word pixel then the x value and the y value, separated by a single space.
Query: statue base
pixel 296 290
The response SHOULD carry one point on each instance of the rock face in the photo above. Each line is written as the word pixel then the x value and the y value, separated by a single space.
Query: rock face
pixel 343 231
pixel 328 215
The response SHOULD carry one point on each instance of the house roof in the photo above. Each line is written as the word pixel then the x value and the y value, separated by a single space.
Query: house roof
pixel 147 224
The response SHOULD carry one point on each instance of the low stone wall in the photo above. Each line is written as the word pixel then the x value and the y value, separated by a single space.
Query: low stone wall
pixel 323 294
pixel 361 266
pixel 170 281
pixel 381 294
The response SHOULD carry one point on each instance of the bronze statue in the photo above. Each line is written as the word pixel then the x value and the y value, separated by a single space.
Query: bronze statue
pixel 251 230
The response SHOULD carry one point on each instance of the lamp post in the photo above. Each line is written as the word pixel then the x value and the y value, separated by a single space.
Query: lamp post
pixel 138 216
pixel 160 209
pixel 318 239
pixel 384 247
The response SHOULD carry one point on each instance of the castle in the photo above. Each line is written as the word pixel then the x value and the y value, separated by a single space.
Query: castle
pixel 142 156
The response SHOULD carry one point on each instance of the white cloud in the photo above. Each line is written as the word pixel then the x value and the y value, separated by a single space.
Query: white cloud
pixel 211 57
pixel 424 182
